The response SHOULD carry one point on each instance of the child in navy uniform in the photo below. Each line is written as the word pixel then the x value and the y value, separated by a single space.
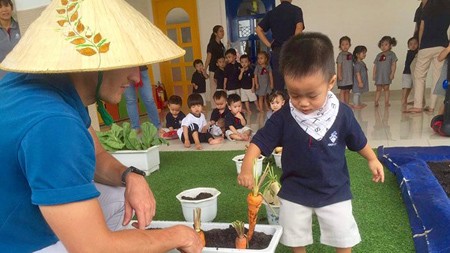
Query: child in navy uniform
pixel 235 122
pixel 194 128
pixel 216 121
pixel 407 82
pixel 232 70
pixel 173 117
pixel 219 74
pixel 247 81
pixel 314 129
pixel 198 79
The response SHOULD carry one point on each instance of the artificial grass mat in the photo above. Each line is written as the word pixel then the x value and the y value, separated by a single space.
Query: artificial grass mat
pixel 378 208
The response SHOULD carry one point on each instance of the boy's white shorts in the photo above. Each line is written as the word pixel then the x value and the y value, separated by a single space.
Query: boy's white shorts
pixel 247 95
pixel 337 225
pixel 407 81
pixel 240 130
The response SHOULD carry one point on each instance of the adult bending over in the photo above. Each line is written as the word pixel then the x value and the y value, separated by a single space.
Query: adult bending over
pixel 60 190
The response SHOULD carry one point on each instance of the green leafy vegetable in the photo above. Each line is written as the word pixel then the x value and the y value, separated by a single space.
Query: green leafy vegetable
pixel 125 138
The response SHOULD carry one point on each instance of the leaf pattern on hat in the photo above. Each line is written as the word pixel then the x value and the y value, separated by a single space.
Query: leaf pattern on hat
pixel 86 42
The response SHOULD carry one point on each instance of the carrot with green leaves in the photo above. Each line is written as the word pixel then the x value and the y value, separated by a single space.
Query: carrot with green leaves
pixel 241 239
pixel 197 225
pixel 254 200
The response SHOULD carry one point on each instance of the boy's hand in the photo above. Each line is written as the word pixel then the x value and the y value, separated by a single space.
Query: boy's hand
pixel 377 170
pixel 239 115
pixel 245 179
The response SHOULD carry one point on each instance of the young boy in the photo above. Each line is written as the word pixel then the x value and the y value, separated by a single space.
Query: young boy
pixel 276 101
pixel 232 70
pixel 219 74
pixel 407 81
pixel 247 80
pixel 194 127
pixel 314 131
pixel 235 122
pixel 216 122
pixel 198 79
pixel 173 117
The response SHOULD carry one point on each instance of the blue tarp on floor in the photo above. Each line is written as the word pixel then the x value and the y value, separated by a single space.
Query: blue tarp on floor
pixel 427 204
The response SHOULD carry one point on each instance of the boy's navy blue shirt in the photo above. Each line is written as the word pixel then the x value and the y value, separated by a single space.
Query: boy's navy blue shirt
pixel 231 120
pixel 216 115
pixel 219 75
pixel 247 79
pixel 174 122
pixel 315 173
pixel 232 74
pixel 199 79
pixel 409 58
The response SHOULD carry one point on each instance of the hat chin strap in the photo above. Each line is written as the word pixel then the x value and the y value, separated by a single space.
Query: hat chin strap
pixel 106 117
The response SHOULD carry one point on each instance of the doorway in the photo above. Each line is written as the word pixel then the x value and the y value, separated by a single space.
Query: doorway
pixel 178 20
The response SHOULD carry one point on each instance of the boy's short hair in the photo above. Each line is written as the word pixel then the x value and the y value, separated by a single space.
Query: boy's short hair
pixel 412 38
pixel 220 57
pixel 194 99
pixel 219 94
pixel 175 100
pixel 197 61
pixel 306 54
pixel 233 98
pixel 231 51
pixel 244 56
pixel 274 94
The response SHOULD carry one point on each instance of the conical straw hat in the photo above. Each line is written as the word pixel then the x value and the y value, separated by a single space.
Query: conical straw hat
pixel 89 35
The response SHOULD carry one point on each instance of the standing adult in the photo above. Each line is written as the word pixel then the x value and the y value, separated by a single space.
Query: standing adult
pixel 284 21
pixel 9 30
pixel 433 38
pixel 214 51
pixel 60 191
pixel 145 90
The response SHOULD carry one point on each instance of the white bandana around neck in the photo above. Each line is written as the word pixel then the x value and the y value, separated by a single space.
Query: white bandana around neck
pixel 317 123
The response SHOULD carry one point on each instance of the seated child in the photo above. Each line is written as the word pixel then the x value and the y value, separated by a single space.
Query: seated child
pixel 173 117
pixel 275 101
pixel 194 126
pixel 220 101
pixel 235 121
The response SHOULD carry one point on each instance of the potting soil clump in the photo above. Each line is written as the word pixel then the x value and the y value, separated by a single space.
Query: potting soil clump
pixel 225 238
pixel 201 195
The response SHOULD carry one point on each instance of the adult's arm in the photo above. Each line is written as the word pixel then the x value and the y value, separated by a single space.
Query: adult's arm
pixel 262 36
pixel 208 60
pixel 299 27
pixel 138 195
pixel 421 28
pixel 81 228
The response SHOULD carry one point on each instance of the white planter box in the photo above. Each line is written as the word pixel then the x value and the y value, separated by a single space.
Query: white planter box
pixel 146 160
pixel 208 206
pixel 277 158
pixel 238 160
pixel 272 213
pixel 273 230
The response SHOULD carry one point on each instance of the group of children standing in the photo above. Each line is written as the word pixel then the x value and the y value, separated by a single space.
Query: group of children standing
pixel 352 71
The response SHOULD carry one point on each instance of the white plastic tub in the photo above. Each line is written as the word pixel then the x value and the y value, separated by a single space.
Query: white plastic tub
pixel 238 161
pixel 272 213
pixel 277 159
pixel 146 160
pixel 274 230
pixel 208 206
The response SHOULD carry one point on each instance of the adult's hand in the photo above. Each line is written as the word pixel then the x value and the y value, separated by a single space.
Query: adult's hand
pixel 138 198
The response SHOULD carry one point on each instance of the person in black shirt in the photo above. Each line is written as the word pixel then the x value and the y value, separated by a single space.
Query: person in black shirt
pixel 214 51
pixel 232 70
pixel 173 117
pixel 219 74
pixel 198 79
pixel 247 80
pixel 284 21
pixel 407 82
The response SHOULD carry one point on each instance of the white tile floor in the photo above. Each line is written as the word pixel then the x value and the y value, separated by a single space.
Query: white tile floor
pixel 386 126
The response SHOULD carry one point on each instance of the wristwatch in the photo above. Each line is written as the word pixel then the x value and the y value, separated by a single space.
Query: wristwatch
pixel 131 169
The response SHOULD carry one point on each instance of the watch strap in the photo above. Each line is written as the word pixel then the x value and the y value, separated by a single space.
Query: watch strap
pixel 133 170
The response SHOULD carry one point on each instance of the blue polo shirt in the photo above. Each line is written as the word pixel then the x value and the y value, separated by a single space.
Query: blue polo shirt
pixel 47 156
pixel 315 173
pixel 282 21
